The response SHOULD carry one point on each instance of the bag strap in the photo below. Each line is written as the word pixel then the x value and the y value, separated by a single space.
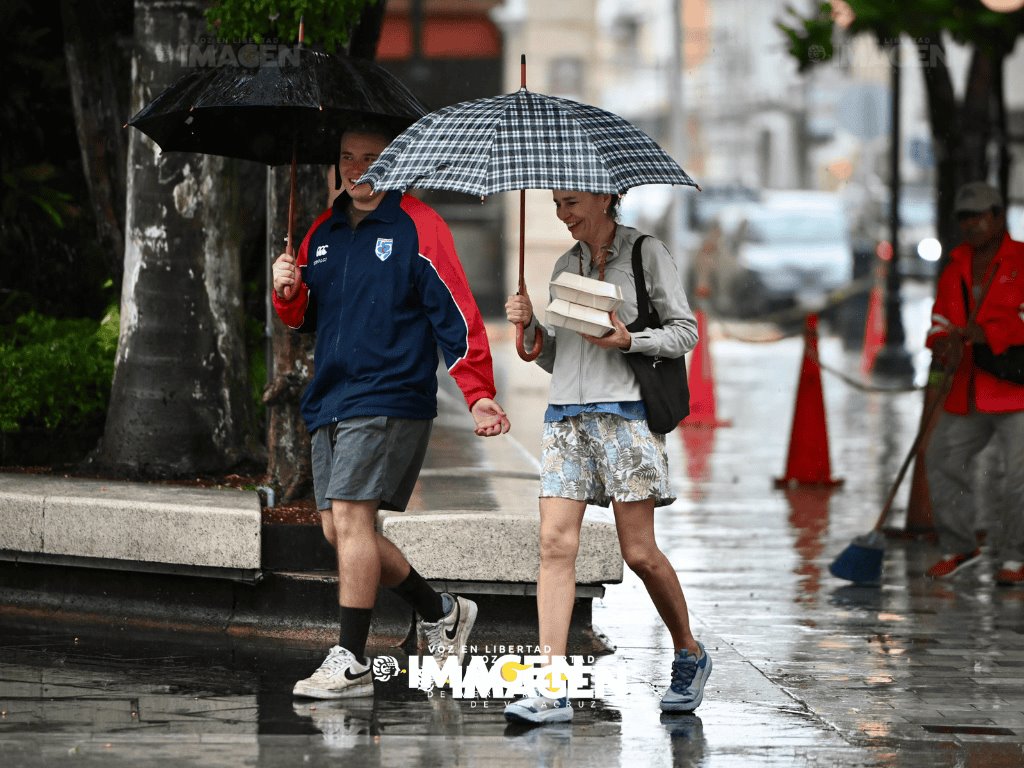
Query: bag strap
pixel 643 300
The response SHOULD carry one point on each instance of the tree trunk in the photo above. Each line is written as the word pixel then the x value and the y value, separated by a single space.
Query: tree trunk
pixel 961 132
pixel 179 400
pixel 98 75
pixel 291 357
pixel 976 116
pixel 291 360
pixel 944 119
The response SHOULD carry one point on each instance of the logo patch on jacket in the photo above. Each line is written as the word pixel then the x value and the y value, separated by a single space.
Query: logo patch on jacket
pixel 321 254
pixel 384 247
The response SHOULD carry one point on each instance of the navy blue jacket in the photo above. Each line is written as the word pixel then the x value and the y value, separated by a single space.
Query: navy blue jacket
pixel 382 298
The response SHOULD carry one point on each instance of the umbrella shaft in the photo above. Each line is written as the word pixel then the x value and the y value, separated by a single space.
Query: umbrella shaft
pixel 522 241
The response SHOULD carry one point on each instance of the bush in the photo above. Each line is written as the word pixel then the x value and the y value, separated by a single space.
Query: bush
pixel 55 372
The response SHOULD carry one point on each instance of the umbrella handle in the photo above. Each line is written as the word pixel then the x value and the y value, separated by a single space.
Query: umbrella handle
pixel 538 343
pixel 290 250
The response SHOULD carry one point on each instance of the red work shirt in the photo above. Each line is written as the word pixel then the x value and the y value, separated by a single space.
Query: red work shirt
pixel 1001 317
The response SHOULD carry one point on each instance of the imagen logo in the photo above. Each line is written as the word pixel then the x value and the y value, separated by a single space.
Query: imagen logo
pixel 251 55
pixel 505 676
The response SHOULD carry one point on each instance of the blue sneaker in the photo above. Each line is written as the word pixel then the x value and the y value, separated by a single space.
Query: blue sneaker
pixel 538 710
pixel 689 673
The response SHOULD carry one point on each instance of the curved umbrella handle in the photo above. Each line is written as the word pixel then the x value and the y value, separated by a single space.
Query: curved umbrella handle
pixel 538 343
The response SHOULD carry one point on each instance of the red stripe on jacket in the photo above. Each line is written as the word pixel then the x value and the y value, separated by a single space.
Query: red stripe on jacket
pixel 473 373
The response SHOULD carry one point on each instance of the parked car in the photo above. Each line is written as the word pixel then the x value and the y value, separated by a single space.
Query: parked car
pixel 706 204
pixel 790 248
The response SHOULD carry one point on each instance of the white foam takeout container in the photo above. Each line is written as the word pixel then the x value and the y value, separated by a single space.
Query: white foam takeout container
pixel 587 291
pixel 579 318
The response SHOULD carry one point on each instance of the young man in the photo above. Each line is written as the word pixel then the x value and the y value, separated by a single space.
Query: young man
pixel 980 406
pixel 378 279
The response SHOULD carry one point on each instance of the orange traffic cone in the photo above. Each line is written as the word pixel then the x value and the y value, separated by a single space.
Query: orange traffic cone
pixel 808 462
pixel 808 516
pixel 919 522
pixel 701 381
pixel 699 445
pixel 874 328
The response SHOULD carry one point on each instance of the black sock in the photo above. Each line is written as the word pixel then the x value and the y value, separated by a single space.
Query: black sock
pixel 355 628
pixel 421 596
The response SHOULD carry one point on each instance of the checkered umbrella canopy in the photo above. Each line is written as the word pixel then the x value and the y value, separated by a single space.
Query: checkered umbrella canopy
pixel 523 140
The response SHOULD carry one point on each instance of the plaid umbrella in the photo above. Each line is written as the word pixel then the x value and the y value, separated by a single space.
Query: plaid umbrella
pixel 523 140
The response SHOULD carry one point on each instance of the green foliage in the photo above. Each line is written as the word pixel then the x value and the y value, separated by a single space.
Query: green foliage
pixel 328 23
pixel 47 236
pixel 256 351
pixel 29 187
pixel 809 34
pixel 809 37
pixel 54 371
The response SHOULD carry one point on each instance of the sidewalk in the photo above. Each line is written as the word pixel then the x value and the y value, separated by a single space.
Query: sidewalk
pixel 809 671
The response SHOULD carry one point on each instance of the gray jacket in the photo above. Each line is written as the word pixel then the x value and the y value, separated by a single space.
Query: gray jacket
pixel 585 373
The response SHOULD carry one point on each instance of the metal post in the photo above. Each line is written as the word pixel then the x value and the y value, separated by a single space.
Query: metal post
pixel 893 359
pixel 677 135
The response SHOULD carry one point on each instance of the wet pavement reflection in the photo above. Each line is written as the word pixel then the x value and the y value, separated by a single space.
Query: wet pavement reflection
pixel 809 671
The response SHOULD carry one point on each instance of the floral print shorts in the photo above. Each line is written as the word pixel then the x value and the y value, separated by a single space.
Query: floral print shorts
pixel 597 457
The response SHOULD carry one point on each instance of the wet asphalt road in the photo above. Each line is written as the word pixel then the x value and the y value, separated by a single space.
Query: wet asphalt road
pixel 808 671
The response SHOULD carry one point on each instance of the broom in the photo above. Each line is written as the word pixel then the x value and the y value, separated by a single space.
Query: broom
pixel 861 561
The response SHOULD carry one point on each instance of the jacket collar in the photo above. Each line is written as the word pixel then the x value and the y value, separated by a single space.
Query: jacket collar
pixel 386 211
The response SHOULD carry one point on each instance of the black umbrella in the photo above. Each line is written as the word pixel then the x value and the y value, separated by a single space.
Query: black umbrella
pixel 293 109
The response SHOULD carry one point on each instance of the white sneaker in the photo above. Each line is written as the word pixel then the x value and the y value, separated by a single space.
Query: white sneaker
pixel 448 635
pixel 339 677
pixel 342 726
pixel 539 710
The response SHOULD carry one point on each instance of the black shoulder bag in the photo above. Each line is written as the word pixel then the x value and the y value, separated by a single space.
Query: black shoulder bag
pixel 662 380
pixel 1009 365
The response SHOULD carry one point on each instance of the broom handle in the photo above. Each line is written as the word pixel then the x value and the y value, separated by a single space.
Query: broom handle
pixel 929 414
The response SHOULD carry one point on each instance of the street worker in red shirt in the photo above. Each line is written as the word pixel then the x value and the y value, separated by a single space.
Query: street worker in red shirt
pixel 377 278
pixel 986 400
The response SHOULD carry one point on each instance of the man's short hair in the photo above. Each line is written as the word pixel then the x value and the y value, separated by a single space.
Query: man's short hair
pixel 367 125
pixel 977 197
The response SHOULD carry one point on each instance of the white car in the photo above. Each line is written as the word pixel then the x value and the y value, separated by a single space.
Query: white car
pixel 791 248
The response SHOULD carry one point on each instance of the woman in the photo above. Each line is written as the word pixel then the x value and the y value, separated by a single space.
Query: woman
pixel 597 447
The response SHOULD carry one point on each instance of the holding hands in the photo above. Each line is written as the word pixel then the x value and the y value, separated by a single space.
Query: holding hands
pixel 489 417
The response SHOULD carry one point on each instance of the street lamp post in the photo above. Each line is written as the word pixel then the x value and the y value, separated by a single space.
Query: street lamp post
pixel 677 140
pixel 893 360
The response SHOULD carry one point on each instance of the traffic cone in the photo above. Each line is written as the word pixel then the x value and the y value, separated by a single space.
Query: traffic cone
pixel 919 522
pixel 808 516
pixel 808 462
pixel 701 381
pixel 874 329
pixel 699 444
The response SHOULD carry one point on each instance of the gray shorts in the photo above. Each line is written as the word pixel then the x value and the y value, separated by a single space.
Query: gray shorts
pixel 369 458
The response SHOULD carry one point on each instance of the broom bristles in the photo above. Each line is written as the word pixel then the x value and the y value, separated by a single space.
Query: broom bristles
pixel 861 562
